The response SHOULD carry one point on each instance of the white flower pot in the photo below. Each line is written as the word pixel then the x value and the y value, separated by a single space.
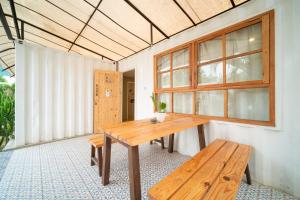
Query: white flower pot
pixel 160 116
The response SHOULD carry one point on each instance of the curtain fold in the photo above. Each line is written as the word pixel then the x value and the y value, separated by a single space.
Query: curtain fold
pixel 54 94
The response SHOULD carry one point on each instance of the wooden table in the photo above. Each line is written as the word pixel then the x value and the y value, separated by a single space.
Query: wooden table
pixel 132 134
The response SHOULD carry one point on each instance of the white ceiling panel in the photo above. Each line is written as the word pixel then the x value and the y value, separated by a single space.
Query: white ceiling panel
pixel 237 2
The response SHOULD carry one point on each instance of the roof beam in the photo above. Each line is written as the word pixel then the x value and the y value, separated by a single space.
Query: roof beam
pixel 185 13
pixel 146 18
pixel 6 50
pixel 7 68
pixel 14 14
pixel 60 37
pixel 5 24
pixel 232 3
pixel 22 30
pixel 86 23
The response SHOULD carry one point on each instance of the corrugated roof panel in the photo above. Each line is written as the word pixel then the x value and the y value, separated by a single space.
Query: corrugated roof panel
pixel 103 41
pixel 6 46
pixel 77 8
pixel 51 12
pixel 40 21
pixel 165 14
pixel 123 14
pixel 44 42
pixel 113 31
pixel 92 46
pixel 186 5
pixel 34 31
pixel 85 52
pixel 237 2
pixel 205 9
pixel 157 36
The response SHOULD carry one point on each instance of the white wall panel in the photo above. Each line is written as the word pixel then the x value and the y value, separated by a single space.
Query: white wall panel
pixel 54 94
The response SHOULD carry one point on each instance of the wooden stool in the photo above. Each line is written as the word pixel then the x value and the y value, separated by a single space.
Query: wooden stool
pixel 161 141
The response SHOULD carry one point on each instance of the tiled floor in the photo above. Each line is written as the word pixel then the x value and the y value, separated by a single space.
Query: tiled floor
pixel 61 170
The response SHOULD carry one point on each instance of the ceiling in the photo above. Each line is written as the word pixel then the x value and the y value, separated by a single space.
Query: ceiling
pixel 105 29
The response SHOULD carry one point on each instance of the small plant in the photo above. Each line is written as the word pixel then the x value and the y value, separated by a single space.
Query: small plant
pixel 159 106
pixel 162 107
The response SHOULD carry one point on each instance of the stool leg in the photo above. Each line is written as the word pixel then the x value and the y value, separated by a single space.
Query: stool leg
pixel 162 142
pixel 248 176
pixel 100 160
pixel 92 155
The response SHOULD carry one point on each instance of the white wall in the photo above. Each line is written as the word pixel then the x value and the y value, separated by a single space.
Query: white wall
pixel 54 94
pixel 276 157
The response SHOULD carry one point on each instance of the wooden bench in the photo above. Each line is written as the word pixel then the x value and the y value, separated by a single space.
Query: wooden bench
pixel 97 141
pixel 213 173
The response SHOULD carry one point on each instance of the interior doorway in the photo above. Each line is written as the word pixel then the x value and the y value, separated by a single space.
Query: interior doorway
pixel 128 95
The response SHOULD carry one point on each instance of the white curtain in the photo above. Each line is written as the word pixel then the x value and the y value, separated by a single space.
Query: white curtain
pixel 54 94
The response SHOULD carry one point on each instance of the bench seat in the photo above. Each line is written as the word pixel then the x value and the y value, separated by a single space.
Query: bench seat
pixel 213 173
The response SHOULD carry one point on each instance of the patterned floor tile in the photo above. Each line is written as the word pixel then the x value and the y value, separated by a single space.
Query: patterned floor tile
pixel 61 170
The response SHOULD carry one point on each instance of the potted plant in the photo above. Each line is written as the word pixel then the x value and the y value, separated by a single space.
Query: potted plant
pixel 160 113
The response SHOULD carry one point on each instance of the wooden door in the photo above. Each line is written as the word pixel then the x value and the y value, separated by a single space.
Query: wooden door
pixel 107 99
pixel 130 101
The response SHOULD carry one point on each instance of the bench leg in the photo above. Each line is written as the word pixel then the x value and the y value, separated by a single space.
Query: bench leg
pixel 201 137
pixel 162 142
pixel 92 155
pixel 248 176
pixel 100 160
pixel 171 143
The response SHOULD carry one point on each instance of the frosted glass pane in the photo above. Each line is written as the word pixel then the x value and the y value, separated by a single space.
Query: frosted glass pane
pixel 210 103
pixel 210 73
pixel 246 68
pixel 166 98
pixel 163 63
pixel 181 77
pixel 210 50
pixel 244 40
pixel 183 103
pixel 164 80
pixel 180 58
pixel 250 104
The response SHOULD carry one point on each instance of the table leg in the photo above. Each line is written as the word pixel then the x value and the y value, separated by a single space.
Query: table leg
pixel 134 172
pixel 171 143
pixel 201 137
pixel 106 160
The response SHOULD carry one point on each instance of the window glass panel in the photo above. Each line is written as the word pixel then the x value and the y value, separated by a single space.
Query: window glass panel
pixel 246 68
pixel 244 40
pixel 210 103
pixel 210 50
pixel 164 80
pixel 181 77
pixel 166 98
pixel 183 102
pixel 180 58
pixel 250 104
pixel 163 63
pixel 210 73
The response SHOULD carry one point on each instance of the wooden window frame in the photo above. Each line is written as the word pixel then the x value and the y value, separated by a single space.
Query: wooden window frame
pixel 268 62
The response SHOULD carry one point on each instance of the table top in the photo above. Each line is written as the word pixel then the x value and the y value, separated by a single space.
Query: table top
pixel 138 132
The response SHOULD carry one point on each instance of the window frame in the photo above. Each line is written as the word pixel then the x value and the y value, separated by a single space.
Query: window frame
pixel 268 63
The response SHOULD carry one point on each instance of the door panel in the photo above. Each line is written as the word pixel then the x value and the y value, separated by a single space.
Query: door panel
pixel 107 99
